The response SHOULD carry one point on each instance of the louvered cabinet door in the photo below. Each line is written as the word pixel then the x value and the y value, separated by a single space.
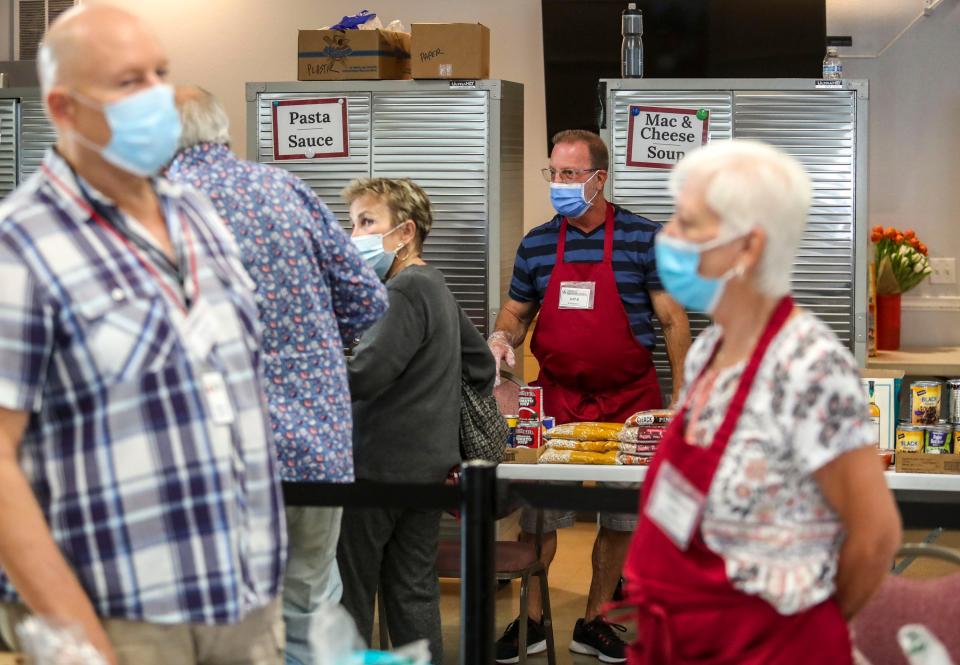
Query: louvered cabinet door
pixel 326 176
pixel 8 146
pixel 819 129
pixel 36 135
pixel 441 140
pixel 645 192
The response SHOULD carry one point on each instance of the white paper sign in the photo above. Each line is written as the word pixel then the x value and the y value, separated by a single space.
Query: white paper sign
pixel 310 128
pixel 658 137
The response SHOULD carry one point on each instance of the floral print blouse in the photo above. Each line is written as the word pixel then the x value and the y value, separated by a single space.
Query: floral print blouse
pixel 315 297
pixel 765 515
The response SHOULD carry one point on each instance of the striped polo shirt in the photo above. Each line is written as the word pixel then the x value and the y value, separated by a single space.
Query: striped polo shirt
pixel 634 265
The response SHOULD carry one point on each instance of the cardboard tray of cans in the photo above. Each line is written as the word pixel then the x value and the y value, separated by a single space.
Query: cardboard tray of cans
pixel 925 463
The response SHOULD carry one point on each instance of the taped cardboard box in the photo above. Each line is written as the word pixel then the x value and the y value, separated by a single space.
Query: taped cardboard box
pixel 450 51
pixel 522 455
pixel 352 55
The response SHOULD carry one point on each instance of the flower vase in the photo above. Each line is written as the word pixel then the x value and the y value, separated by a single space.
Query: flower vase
pixel 888 322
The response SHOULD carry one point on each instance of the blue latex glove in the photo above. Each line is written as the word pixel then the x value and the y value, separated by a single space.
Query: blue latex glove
pixel 354 22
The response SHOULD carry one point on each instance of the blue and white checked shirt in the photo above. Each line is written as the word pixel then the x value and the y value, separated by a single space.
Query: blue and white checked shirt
pixel 164 515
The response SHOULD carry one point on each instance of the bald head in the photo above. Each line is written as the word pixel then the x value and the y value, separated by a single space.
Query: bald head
pixel 202 117
pixel 88 45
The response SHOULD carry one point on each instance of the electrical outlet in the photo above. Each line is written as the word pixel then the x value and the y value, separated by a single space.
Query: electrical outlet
pixel 944 271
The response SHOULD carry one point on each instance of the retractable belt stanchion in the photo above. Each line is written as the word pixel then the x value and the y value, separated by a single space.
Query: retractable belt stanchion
pixel 478 483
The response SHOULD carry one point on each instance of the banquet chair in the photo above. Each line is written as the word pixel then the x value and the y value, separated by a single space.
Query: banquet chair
pixel 935 603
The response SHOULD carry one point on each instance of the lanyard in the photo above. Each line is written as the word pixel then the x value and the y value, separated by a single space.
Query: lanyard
pixel 132 248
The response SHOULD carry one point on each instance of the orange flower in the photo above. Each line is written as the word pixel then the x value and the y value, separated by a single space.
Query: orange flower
pixel 915 243
pixel 897 239
pixel 877 229
pixel 909 234
pixel 922 249
pixel 890 232
pixel 876 237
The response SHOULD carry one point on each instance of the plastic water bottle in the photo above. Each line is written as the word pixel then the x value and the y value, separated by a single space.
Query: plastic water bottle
pixel 832 67
pixel 631 56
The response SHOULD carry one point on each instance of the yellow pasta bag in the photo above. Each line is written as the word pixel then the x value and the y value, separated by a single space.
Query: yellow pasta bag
pixel 555 456
pixel 585 431
pixel 583 446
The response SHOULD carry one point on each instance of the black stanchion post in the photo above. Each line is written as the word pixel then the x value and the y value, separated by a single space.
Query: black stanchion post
pixel 478 483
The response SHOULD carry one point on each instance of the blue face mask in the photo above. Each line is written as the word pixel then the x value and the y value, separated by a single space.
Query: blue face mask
pixel 678 264
pixel 373 253
pixel 568 198
pixel 144 130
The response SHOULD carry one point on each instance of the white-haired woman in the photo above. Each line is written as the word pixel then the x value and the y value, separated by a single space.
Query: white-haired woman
pixel 765 519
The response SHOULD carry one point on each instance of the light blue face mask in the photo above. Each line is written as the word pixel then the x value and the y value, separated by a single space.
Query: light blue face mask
pixel 144 130
pixel 373 253
pixel 568 198
pixel 678 264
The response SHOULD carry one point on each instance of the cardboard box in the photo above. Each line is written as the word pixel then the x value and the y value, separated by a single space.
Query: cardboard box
pixel 886 396
pixel 450 51
pixel 924 463
pixel 348 55
pixel 522 455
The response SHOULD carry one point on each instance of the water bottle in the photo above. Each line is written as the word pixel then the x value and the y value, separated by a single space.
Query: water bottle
pixel 631 56
pixel 832 67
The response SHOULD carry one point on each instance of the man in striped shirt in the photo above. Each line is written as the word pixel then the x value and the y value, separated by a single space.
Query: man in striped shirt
pixel 590 275
pixel 140 500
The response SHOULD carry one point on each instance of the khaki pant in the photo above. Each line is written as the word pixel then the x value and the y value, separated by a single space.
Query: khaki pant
pixel 257 640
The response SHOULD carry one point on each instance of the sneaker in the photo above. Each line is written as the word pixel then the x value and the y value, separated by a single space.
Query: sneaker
pixel 507 649
pixel 596 638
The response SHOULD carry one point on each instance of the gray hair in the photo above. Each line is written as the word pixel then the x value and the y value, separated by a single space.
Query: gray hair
pixel 203 119
pixel 749 185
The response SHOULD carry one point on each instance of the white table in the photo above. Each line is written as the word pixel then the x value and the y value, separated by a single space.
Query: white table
pixel 913 482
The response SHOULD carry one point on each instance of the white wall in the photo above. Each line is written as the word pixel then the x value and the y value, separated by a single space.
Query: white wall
pixel 915 157
pixel 222 44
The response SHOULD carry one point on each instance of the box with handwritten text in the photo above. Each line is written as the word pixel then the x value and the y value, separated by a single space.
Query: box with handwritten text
pixel 450 51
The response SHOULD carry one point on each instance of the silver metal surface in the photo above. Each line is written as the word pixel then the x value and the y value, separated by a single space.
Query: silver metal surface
pixel 825 129
pixel 36 135
pixel 463 145
pixel 8 146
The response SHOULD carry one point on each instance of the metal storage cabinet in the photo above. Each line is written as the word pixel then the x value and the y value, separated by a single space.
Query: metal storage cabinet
pixel 826 129
pixel 25 136
pixel 463 145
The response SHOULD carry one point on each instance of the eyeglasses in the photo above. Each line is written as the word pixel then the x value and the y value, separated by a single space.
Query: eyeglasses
pixel 565 175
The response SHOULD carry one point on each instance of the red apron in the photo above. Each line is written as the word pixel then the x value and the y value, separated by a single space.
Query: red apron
pixel 688 612
pixel 591 366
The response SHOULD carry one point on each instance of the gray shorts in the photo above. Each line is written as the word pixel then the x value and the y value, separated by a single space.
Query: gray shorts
pixel 562 519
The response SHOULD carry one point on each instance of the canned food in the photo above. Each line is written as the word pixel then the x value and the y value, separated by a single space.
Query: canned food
pixel 512 421
pixel 939 440
pixel 911 439
pixel 953 401
pixel 549 422
pixel 925 402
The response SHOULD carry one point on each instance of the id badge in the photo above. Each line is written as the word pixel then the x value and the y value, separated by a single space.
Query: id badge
pixel 217 398
pixel 200 329
pixel 675 505
pixel 577 295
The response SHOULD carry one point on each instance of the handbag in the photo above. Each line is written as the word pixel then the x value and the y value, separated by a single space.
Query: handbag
pixel 483 430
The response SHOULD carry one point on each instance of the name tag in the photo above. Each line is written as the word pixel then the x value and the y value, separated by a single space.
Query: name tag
pixel 200 330
pixel 675 505
pixel 577 295
pixel 217 398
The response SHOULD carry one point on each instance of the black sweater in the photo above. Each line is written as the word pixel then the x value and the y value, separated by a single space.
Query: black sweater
pixel 405 381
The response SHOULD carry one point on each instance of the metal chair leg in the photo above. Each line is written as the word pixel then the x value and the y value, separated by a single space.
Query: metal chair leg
pixel 524 608
pixel 547 617
pixel 382 621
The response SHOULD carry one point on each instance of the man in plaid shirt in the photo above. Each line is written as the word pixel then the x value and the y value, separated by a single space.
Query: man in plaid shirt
pixel 140 499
